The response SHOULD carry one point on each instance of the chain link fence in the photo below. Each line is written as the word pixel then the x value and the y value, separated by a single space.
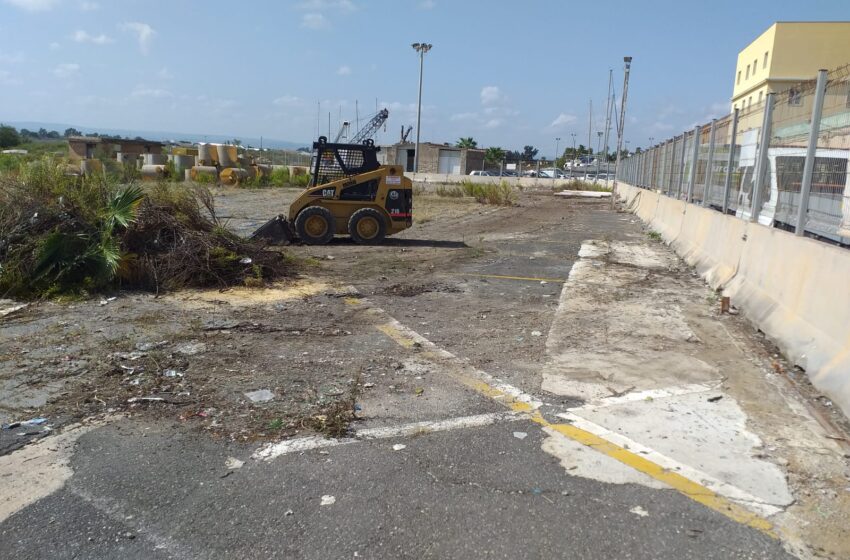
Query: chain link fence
pixel 757 164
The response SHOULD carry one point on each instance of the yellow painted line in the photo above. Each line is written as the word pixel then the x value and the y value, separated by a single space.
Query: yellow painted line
pixel 502 277
pixel 396 336
pixel 685 486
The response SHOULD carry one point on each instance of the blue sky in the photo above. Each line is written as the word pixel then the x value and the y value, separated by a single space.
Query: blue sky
pixel 507 73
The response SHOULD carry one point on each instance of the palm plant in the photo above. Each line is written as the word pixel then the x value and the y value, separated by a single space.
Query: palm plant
pixel 467 143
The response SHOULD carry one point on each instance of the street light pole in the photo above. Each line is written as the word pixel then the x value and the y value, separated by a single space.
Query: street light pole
pixel 421 48
pixel 628 66
pixel 555 161
pixel 598 151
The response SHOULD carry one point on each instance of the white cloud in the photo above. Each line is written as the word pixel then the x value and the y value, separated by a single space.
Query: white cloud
pixel 164 74
pixel 463 117
pixel 344 71
pixel 81 36
pixel 324 5
pixel 89 6
pixel 11 58
pixel 314 21
pixel 54 46
pixel 490 95
pixel 33 5
pixel 493 123
pixel 427 5
pixel 155 93
pixel 66 70
pixel 286 100
pixel 6 79
pixel 562 120
pixel 144 33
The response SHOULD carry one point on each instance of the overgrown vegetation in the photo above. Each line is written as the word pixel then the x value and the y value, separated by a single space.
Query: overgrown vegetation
pixel 580 185
pixel 501 194
pixel 66 235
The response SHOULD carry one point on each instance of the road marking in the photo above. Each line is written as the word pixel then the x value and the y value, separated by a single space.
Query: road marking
pixel 503 277
pixel 272 450
pixel 520 402
pixel 649 394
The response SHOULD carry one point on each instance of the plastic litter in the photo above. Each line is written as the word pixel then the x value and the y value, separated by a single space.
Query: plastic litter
pixel 520 435
pixel 536 333
pixel 233 463
pixel 639 511
pixel 328 500
pixel 261 395
pixel 171 373
pixel 399 447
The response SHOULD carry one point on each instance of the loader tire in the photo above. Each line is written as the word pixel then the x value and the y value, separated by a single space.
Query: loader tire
pixel 315 225
pixel 367 227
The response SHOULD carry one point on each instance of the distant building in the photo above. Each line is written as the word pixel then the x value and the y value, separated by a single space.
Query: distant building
pixel 787 53
pixel 85 147
pixel 434 158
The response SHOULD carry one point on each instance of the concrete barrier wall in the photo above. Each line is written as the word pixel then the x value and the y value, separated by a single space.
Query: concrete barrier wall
pixel 793 288
pixel 428 180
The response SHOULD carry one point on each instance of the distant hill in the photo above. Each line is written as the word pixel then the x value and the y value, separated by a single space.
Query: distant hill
pixel 160 135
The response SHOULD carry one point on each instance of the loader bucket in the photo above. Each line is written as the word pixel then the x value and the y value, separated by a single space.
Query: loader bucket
pixel 276 231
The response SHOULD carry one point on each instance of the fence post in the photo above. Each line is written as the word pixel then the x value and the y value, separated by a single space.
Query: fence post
pixel 693 175
pixel 727 187
pixel 762 162
pixel 709 165
pixel 681 177
pixel 811 149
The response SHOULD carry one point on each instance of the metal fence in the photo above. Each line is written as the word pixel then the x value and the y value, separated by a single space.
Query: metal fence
pixel 782 162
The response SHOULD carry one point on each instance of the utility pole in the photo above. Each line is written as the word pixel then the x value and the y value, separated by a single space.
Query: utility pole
pixel 589 135
pixel 608 119
pixel 555 160
pixel 627 60
pixel 421 48
pixel 598 150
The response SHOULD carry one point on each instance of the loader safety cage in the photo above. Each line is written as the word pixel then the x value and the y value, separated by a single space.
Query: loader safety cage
pixel 332 162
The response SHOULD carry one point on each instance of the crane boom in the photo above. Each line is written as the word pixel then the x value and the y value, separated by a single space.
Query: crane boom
pixel 371 127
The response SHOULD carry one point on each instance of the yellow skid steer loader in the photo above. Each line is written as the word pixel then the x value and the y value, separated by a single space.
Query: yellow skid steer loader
pixel 349 193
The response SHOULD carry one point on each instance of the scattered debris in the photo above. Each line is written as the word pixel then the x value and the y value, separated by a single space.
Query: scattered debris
pixel 171 373
pixel 191 348
pixel 25 423
pixel 261 395
pixel 107 301
pixel 399 447
pixel 288 512
pixel 536 333
pixel 724 304
pixel 328 500
pixel 637 510
pixel 4 311
pixel 148 346
pixel 419 391
pixel 233 463
pixel 149 399
pixel 368 385
pixel 715 399
pixel 520 435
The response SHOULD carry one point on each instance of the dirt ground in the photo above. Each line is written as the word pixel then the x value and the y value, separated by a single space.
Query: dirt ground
pixel 244 365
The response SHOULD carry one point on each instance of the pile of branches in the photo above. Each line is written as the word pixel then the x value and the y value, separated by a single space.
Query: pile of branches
pixel 69 235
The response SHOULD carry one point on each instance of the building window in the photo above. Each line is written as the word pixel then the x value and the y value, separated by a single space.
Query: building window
pixel 760 94
pixel 750 101
pixel 747 76
pixel 794 97
pixel 764 64
pixel 739 78
pixel 755 66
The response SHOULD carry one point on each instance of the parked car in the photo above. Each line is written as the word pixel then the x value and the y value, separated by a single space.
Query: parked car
pixel 508 173
pixel 483 173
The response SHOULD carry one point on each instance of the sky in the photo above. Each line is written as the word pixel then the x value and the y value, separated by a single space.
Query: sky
pixel 506 73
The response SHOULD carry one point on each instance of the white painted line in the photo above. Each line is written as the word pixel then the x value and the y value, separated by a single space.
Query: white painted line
pixel 722 488
pixel 649 394
pixel 272 450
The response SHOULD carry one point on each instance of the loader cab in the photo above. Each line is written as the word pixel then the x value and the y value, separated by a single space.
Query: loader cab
pixel 332 162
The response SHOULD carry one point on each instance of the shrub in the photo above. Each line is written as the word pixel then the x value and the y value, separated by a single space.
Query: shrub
pixel 72 235
pixel 500 195
pixel 279 177
pixel 451 192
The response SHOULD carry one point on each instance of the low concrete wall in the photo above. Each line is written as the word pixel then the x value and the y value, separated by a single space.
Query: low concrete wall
pixel 793 288
pixel 427 180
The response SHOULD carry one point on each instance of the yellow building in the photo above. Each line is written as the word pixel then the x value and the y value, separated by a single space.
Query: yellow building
pixel 787 53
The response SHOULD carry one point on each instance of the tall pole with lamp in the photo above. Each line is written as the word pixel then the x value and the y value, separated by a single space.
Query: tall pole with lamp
pixel 421 48
pixel 627 60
